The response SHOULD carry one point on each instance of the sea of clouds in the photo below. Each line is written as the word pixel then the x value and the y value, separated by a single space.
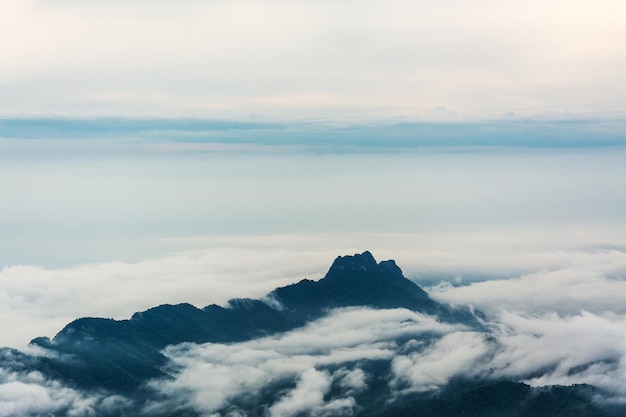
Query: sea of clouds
pixel 552 302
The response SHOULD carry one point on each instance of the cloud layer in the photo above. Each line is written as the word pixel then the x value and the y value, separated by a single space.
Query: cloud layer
pixel 324 366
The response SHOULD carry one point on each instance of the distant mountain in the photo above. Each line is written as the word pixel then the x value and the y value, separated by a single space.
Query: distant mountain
pixel 121 354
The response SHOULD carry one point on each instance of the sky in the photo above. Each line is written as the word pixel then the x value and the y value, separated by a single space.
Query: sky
pixel 449 60
pixel 139 133
pixel 194 151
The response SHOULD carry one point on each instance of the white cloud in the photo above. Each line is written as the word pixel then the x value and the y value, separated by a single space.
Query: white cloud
pixel 243 369
pixel 307 395
pixel 455 354
pixel 567 283
pixel 38 301
pixel 353 380
pixel 584 348
pixel 29 393
pixel 539 350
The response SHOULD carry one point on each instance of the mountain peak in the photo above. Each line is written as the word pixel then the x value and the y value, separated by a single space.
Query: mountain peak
pixel 122 355
pixel 363 265
pixel 355 263
pixel 357 280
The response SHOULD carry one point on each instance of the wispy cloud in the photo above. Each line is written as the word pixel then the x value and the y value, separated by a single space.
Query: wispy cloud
pixel 588 281
pixel 303 357
pixel 423 357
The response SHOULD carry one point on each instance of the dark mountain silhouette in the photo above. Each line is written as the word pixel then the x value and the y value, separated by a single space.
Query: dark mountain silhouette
pixel 357 281
pixel 121 354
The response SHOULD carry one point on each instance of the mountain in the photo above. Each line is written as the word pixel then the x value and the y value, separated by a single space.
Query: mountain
pixel 120 355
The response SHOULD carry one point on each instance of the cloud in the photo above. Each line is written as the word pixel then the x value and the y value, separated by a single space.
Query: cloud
pixel 305 361
pixel 36 301
pixel 30 393
pixel 539 350
pixel 585 348
pixel 307 395
pixel 455 354
pixel 576 281
pixel 353 380
pixel 324 365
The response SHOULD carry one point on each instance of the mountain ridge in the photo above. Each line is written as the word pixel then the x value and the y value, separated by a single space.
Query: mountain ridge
pixel 120 354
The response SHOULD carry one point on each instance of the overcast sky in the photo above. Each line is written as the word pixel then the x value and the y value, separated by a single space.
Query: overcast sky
pixel 445 60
